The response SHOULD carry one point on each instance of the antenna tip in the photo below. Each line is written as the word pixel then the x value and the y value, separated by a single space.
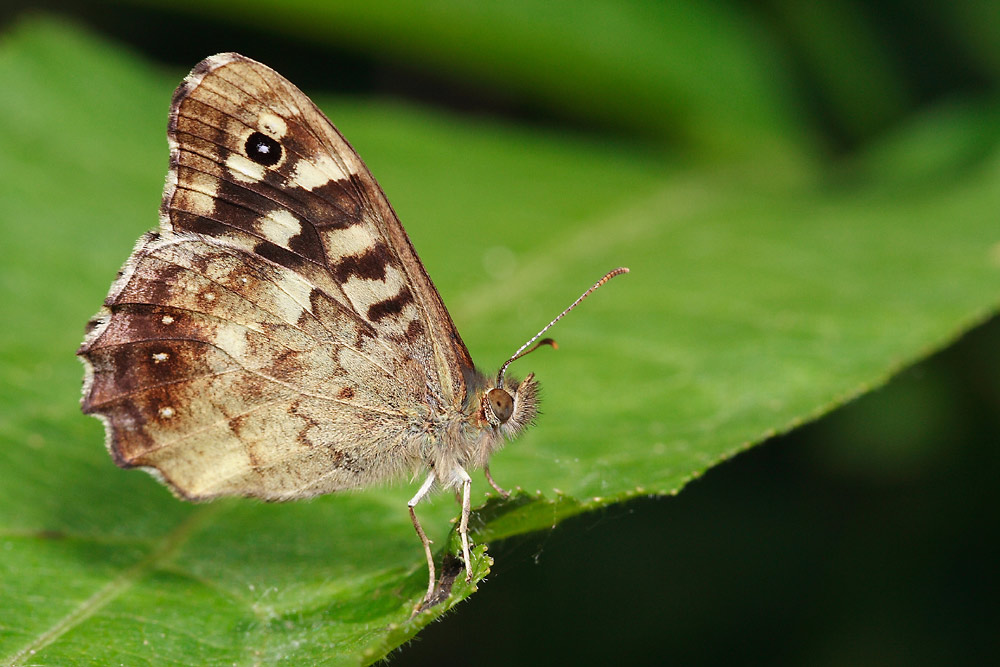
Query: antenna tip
pixel 611 274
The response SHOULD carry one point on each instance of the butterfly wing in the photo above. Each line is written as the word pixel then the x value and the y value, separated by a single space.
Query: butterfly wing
pixel 278 336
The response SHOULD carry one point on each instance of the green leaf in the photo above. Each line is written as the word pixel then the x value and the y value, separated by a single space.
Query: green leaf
pixel 749 309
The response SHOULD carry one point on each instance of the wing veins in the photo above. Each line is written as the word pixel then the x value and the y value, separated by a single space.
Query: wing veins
pixel 326 200
pixel 158 385
pixel 388 345
pixel 300 213
pixel 206 427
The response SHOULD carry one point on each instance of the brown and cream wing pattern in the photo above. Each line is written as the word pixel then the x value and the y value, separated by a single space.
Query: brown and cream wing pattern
pixel 283 180
pixel 278 336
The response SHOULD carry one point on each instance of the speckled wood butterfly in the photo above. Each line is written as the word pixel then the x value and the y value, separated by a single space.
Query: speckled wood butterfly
pixel 277 336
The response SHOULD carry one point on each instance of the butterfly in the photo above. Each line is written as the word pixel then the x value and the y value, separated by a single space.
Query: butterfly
pixel 278 337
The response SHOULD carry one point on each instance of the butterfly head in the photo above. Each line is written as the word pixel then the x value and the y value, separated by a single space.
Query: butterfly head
pixel 511 408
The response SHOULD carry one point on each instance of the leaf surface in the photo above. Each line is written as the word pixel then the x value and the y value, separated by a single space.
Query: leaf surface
pixel 749 309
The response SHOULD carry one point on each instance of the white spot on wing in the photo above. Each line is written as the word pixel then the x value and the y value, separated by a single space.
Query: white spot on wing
pixel 160 356
pixel 196 202
pixel 294 297
pixel 167 319
pixel 365 293
pixel 197 193
pixel 317 172
pixel 352 240
pixel 244 169
pixel 279 226
pixel 167 412
pixel 232 340
pixel 273 125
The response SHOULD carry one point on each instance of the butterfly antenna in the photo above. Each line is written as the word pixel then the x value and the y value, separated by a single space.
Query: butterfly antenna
pixel 525 349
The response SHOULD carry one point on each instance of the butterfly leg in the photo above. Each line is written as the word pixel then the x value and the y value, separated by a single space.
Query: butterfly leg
pixel 463 527
pixel 428 483
pixel 489 478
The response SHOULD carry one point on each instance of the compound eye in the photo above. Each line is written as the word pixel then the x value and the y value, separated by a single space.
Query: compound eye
pixel 501 403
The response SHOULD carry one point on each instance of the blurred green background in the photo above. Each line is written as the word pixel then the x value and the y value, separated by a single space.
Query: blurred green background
pixel 868 537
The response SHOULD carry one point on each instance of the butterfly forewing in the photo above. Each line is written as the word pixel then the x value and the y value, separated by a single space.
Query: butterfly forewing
pixel 316 210
pixel 280 325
